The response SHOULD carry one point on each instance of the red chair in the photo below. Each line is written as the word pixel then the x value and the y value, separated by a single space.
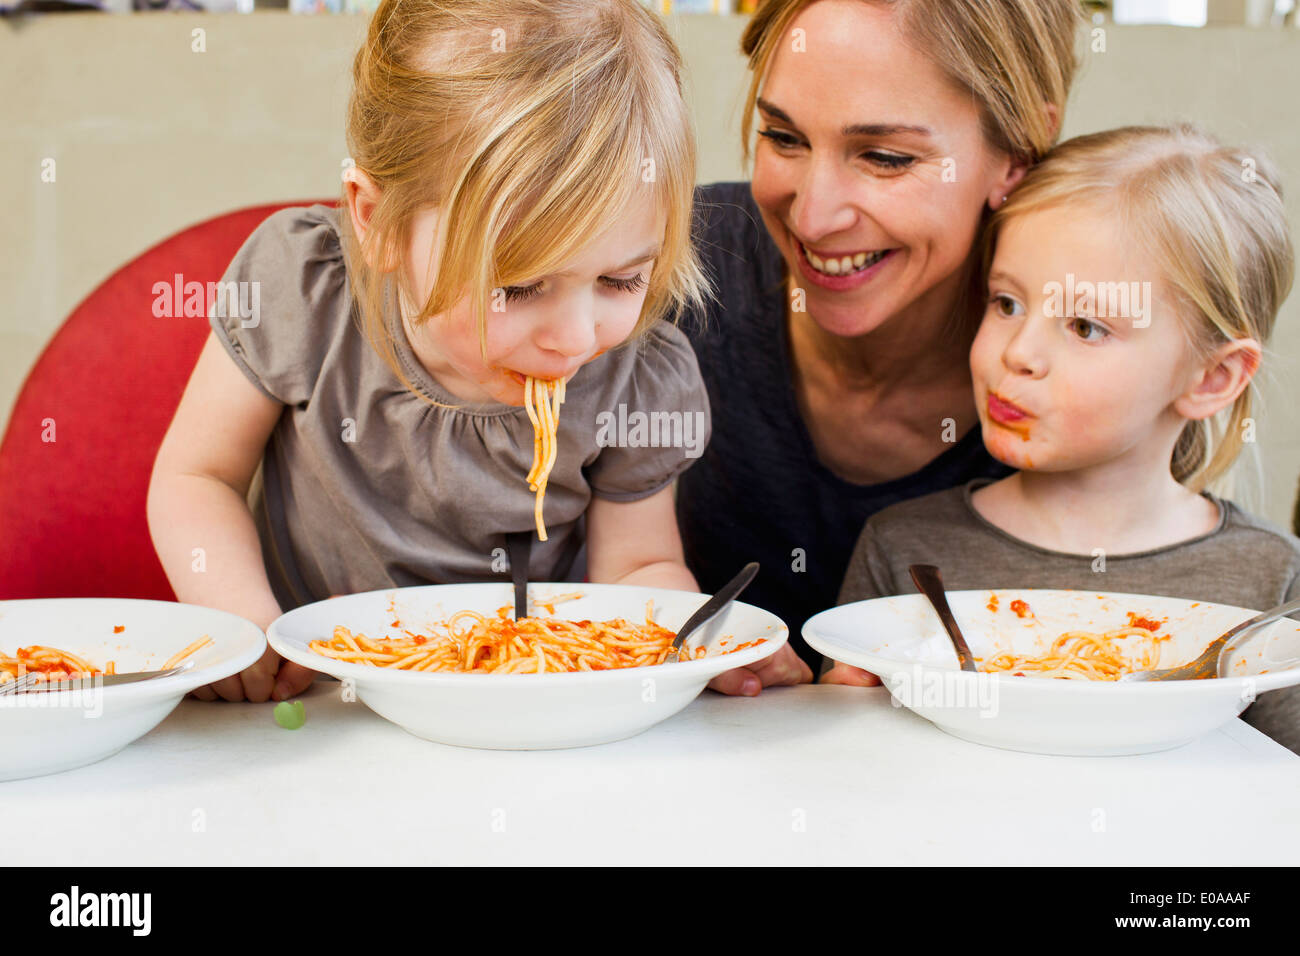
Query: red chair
pixel 81 442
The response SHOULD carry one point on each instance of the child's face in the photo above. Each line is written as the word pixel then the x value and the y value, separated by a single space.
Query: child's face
pixel 1057 391
pixel 550 326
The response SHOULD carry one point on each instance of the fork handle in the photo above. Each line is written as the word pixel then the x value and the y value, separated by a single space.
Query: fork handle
pixel 929 582
pixel 1218 647
pixel 729 592
pixel 519 546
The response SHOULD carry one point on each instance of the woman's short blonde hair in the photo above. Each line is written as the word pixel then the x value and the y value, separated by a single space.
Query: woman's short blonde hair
pixel 1211 220
pixel 1014 57
pixel 530 125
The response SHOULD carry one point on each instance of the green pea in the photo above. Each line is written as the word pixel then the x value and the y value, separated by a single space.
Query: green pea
pixel 290 716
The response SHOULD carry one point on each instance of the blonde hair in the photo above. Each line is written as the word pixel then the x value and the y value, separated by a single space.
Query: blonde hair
pixel 1012 56
pixel 1212 220
pixel 527 123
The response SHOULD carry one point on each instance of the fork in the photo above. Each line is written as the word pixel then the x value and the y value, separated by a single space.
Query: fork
pixel 712 607
pixel 929 582
pixel 29 683
pixel 1208 664
pixel 18 685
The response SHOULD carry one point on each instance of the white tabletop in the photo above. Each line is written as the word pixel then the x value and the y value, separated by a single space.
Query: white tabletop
pixel 806 775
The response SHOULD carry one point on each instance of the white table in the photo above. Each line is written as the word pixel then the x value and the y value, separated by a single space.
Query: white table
pixel 802 775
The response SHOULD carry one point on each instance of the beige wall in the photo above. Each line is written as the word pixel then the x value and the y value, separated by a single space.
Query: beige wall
pixel 150 137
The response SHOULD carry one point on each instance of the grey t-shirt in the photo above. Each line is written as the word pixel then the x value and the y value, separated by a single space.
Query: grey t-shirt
pixel 365 485
pixel 1245 561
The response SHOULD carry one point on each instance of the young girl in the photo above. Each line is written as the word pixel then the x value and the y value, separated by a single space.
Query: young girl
pixel 517 208
pixel 1134 276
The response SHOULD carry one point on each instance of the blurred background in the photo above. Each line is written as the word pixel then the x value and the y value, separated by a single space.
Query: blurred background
pixel 125 121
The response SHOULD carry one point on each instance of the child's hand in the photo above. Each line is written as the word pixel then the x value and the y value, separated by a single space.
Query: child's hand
pixel 783 668
pixel 843 673
pixel 270 678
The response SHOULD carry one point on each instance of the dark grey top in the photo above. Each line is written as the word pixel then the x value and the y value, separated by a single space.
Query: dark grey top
pixel 365 485
pixel 1245 561
pixel 760 493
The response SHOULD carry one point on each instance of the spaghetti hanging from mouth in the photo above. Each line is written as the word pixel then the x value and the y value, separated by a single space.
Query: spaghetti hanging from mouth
pixel 542 401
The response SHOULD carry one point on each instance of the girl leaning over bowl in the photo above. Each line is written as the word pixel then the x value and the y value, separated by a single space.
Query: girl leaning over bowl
pixel 518 211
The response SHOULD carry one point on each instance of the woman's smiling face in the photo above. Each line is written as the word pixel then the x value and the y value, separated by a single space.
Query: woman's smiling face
pixel 871 170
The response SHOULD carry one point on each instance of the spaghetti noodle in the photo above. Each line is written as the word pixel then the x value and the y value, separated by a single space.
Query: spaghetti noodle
pixel 53 664
pixel 1085 655
pixel 470 642
pixel 542 401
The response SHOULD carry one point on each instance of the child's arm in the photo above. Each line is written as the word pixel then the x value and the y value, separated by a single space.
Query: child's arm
pixel 197 501
pixel 638 543
pixel 862 581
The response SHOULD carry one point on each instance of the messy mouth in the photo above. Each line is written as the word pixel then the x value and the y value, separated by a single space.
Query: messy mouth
pixel 522 379
pixel 1005 408
pixel 1008 414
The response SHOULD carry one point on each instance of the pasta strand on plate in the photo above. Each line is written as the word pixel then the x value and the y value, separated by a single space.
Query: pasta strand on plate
pixel 1084 655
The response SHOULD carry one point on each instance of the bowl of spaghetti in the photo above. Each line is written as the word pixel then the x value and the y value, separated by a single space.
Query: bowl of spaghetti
pixel 450 664
pixel 1049 662
pixel 72 643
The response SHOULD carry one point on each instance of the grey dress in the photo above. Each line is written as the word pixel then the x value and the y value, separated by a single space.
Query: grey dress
pixel 365 485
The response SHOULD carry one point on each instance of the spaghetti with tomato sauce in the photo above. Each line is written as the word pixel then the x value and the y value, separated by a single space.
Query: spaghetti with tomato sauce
pixel 53 664
pixel 1086 655
pixel 473 643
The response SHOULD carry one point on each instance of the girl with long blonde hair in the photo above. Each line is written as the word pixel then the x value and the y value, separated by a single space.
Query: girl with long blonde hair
pixel 452 355
pixel 1133 279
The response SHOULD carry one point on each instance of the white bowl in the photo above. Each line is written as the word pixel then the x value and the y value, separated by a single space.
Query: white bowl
pixel 525 711
pixel 49 732
pixel 900 640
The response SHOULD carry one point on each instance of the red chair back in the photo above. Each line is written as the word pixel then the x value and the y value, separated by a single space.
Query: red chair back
pixel 84 432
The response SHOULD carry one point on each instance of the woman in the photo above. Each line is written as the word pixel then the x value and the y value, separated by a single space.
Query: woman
pixel 836 353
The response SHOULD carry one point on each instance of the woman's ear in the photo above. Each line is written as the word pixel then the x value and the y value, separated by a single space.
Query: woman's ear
pixel 1011 173
pixel 1220 380
pixel 362 194
pixel 1016 167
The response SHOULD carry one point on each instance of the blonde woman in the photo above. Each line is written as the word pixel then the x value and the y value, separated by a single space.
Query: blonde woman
pixel 836 355
pixel 1135 276
pixel 519 212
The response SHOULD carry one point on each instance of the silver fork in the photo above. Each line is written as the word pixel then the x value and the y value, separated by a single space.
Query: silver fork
pixel 31 684
pixel 18 685
pixel 1207 665
pixel 712 607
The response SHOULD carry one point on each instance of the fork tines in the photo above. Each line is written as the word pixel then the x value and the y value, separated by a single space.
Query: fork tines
pixel 18 685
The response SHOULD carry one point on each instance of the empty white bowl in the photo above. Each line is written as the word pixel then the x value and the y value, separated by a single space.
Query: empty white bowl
pixel 900 640
pixel 525 711
pixel 52 731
